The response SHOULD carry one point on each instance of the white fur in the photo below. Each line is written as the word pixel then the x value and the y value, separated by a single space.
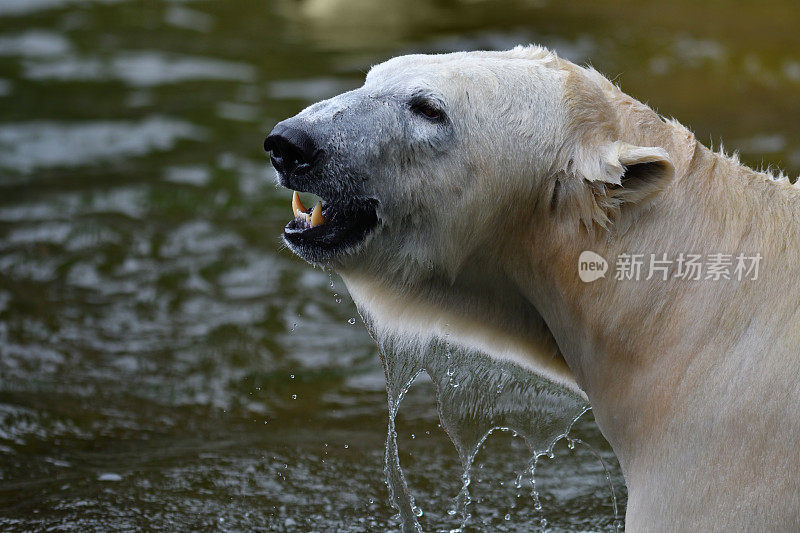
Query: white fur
pixel 695 384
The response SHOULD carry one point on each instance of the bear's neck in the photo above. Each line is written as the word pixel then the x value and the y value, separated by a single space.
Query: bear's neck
pixel 681 374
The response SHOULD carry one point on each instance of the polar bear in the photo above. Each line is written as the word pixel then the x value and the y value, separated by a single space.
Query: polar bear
pixel 463 188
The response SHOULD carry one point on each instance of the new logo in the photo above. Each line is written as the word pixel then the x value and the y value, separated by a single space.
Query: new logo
pixel 591 266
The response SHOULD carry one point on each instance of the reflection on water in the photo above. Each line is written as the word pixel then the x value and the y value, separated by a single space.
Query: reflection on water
pixel 42 144
pixel 164 362
pixel 34 43
pixel 139 69
pixel 28 7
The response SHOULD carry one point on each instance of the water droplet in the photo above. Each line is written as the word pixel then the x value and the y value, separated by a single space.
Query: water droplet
pixel 351 321
pixel 468 409
pixel 294 396
pixel 418 511
pixel 291 376
pixel 346 446
pixel 507 517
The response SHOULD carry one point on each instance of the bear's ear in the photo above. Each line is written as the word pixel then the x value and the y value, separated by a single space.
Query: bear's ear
pixel 618 174
pixel 638 170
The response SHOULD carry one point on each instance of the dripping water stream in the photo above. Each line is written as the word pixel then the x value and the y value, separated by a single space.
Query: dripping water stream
pixel 476 395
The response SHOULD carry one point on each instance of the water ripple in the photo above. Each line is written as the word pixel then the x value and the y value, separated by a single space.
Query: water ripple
pixel 138 69
pixel 27 146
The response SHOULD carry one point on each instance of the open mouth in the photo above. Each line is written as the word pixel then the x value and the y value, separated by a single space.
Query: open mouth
pixel 329 228
pixel 337 223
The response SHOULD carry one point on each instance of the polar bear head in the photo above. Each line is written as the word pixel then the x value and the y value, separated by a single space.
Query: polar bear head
pixel 442 172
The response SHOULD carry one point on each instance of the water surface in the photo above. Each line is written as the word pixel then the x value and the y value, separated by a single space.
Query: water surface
pixel 164 363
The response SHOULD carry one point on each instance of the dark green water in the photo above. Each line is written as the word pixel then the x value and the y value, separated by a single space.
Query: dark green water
pixel 164 364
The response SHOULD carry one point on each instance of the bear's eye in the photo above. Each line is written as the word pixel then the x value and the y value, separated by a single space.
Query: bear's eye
pixel 427 109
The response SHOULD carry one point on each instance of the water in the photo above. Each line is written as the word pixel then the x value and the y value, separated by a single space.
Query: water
pixel 151 323
pixel 475 396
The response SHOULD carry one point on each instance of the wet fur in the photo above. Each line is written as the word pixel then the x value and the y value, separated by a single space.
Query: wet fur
pixel 694 384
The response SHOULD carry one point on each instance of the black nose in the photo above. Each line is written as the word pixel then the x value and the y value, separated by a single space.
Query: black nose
pixel 291 148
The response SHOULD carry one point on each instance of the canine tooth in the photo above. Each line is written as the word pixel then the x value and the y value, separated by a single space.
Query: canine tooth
pixel 297 206
pixel 316 215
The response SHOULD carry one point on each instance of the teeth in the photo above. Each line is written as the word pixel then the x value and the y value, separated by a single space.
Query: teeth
pixel 316 215
pixel 297 206
pixel 314 218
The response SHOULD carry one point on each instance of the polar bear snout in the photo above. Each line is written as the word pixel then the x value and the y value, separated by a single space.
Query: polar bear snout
pixel 292 150
pixel 343 215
